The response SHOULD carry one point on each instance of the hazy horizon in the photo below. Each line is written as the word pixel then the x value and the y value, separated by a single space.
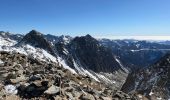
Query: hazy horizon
pixel 116 37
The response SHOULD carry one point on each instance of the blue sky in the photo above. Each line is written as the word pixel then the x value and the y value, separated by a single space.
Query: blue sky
pixel 80 17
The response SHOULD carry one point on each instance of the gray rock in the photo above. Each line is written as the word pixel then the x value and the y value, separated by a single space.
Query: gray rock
pixel 86 97
pixel 69 96
pixel 52 90
pixel 35 77
pixel 18 79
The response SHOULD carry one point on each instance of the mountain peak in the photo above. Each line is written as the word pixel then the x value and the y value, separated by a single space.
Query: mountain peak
pixel 36 39
pixel 95 56
pixel 34 32
pixel 87 39
pixel 88 35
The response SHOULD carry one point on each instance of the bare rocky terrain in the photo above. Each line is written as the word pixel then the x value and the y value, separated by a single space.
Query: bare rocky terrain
pixel 23 77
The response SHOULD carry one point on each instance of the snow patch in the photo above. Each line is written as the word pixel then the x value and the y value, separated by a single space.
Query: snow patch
pixel 91 75
pixel 52 58
pixel 83 71
pixel 11 89
pixel 6 42
pixel 63 63
pixel 31 51
pixel 121 65
pixel 159 98
pixel 149 50
pixel 65 51
pixel 105 78
pixel 151 93
pixel 1 62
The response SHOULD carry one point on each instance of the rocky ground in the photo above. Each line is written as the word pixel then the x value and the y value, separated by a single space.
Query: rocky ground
pixel 22 77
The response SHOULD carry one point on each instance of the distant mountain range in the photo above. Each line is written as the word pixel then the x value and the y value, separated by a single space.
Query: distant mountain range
pixel 135 53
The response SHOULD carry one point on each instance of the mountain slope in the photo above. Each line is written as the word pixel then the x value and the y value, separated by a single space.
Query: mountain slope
pixel 92 55
pixel 152 81
pixel 88 57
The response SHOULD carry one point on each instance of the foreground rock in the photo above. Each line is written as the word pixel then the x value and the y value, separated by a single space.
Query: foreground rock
pixel 23 77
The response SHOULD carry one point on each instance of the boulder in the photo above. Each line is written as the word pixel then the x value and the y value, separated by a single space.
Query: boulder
pixel 18 79
pixel 31 90
pixel 106 98
pixel 52 90
pixel 86 97
pixel 69 96
pixel 35 77
pixel 12 97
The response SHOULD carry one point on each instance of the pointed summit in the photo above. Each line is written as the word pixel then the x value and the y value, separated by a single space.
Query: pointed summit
pixel 92 55
pixel 36 39
pixel 34 32
pixel 89 36
pixel 88 39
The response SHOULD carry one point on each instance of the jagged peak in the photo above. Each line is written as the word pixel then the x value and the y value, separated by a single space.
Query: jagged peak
pixel 34 32
pixel 86 38
pixel 33 35
pixel 36 39
pixel 89 36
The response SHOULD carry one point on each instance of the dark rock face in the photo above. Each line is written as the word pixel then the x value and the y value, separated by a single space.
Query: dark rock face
pixel 92 55
pixel 36 39
pixel 85 55
pixel 31 91
pixel 152 81
pixel 88 53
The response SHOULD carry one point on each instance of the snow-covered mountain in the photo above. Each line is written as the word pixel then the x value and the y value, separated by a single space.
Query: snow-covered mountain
pixel 81 55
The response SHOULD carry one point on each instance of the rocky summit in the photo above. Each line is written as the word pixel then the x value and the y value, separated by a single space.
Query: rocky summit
pixel 22 77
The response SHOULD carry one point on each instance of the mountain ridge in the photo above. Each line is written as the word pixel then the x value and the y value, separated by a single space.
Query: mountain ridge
pixel 112 63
